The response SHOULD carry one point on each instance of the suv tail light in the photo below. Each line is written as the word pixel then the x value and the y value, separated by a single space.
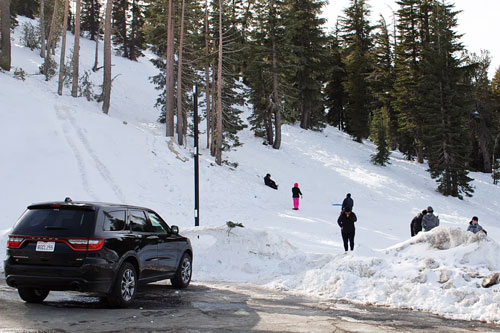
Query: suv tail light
pixel 15 242
pixel 91 244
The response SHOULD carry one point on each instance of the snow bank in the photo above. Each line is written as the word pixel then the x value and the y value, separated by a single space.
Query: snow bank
pixel 439 271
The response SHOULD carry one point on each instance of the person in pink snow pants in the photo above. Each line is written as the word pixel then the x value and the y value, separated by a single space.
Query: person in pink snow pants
pixel 295 195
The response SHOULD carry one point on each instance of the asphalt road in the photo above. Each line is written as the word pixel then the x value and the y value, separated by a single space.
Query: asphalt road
pixel 215 307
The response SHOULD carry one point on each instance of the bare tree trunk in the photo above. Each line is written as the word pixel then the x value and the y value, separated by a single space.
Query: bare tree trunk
pixel 96 58
pixel 276 103
pixel 63 49
pixel 49 42
pixel 133 32
pixel 106 84
pixel 76 51
pixel 5 52
pixel 207 77
pixel 42 28
pixel 169 82
pixel 212 112
pixel 218 148
pixel 180 109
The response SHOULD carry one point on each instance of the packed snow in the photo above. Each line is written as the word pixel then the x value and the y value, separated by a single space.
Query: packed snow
pixel 58 146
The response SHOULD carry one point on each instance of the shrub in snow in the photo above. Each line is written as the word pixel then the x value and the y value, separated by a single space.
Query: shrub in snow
pixel 49 69
pixel 30 36
pixel 20 74
pixel 86 87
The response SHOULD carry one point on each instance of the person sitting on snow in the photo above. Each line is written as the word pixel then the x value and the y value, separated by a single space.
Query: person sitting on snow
pixel 269 182
pixel 474 226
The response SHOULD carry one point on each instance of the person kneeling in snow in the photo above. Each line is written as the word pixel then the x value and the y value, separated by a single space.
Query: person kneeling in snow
pixel 346 223
pixel 474 226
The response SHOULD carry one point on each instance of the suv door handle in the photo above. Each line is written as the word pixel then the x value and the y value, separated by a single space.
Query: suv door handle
pixel 153 237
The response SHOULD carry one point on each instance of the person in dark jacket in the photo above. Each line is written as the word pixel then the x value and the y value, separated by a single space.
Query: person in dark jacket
pixel 269 182
pixel 430 221
pixel 416 223
pixel 348 203
pixel 346 222
pixel 295 195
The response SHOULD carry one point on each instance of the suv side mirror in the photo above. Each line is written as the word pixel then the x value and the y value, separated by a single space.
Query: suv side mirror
pixel 174 229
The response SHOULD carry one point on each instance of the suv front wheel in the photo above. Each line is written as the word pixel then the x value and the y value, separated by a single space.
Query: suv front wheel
pixel 182 276
pixel 32 295
pixel 125 287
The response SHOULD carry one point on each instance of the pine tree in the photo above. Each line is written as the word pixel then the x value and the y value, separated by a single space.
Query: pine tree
pixel 120 29
pixel 307 41
pixel 482 119
pixel 266 54
pixel 90 17
pixel 381 82
pixel 358 66
pixel 407 98
pixel 335 96
pixel 28 8
pixel 446 107
pixel 379 135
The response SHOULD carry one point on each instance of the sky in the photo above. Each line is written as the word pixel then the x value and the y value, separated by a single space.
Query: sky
pixel 478 21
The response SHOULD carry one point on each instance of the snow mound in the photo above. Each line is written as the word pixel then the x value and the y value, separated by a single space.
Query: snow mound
pixel 242 255
pixel 443 238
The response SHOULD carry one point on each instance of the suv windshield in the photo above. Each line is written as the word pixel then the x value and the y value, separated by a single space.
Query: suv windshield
pixel 55 222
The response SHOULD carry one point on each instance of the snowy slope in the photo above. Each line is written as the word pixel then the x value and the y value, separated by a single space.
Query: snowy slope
pixel 56 146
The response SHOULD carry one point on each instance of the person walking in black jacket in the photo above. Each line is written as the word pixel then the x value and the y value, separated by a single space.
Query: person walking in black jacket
pixel 348 203
pixel 346 223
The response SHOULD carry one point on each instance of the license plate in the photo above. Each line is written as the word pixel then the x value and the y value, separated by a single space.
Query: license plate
pixel 45 246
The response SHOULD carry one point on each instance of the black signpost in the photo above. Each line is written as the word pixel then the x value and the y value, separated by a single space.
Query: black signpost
pixel 196 162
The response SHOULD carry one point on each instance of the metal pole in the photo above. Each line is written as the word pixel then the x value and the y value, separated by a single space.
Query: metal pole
pixel 196 162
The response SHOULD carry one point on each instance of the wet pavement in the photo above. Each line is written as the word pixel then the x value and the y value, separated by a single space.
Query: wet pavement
pixel 214 307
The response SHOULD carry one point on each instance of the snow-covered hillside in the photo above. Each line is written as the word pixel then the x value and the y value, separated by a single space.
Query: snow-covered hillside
pixel 56 146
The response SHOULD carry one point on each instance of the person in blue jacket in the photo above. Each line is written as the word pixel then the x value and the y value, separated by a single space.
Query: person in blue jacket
pixel 474 226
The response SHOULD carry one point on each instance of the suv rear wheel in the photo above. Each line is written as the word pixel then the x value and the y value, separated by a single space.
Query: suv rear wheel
pixel 32 295
pixel 183 274
pixel 125 287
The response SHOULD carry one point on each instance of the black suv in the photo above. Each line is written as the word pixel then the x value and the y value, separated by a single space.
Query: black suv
pixel 96 247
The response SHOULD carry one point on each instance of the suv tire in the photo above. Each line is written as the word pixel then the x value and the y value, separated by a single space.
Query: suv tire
pixel 125 286
pixel 183 274
pixel 32 295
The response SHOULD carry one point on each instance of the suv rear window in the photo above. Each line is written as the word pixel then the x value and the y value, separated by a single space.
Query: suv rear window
pixel 55 222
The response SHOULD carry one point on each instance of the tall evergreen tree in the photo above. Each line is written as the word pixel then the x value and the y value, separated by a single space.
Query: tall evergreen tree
pixel 384 123
pixel 412 34
pixel 90 17
pixel 307 41
pixel 482 119
pixel 358 65
pixel 120 28
pixel 447 107
pixel 266 58
pixel 335 96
